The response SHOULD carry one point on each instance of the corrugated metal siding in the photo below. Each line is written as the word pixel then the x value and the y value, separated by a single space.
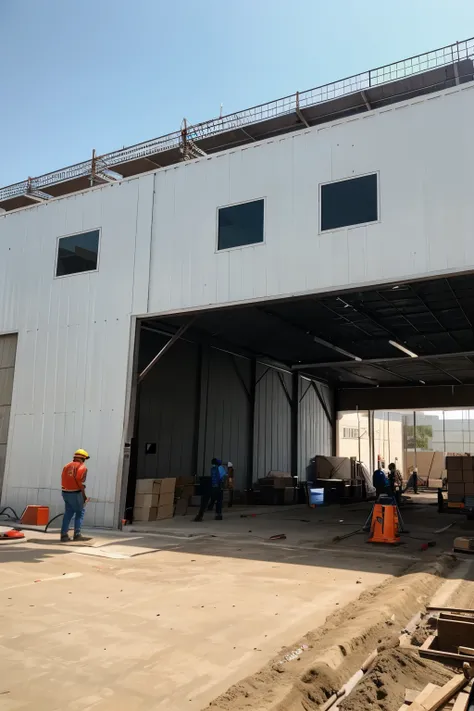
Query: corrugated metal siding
pixel 228 411
pixel 167 409
pixel 314 430
pixel 8 345
pixel 73 344
pixel 272 447
pixel 429 177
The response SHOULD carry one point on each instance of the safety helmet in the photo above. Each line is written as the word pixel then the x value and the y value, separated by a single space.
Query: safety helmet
pixel 81 453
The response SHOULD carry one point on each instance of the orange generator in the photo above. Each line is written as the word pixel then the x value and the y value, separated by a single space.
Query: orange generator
pixel 385 525
pixel 35 515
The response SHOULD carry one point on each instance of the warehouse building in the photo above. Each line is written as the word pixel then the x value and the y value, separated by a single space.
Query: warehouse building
pixel 273 267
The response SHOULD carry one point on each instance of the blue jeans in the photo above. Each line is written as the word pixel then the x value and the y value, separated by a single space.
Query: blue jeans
pixel 74 507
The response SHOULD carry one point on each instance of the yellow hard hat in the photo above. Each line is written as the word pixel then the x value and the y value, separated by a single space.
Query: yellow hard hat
pixel 81 453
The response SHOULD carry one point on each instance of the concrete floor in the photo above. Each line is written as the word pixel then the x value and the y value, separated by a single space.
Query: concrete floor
pixel 171 620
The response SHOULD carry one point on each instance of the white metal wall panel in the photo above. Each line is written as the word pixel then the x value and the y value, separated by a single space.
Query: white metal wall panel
pixel 73 343
pixel 423 152
pixel 272 431
pixel 315 433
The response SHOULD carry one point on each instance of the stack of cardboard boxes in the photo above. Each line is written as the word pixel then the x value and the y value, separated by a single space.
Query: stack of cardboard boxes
pixel 460 474
pixel 154 499
pixel 184 492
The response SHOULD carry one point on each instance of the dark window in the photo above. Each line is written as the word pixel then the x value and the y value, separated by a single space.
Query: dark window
pixel 349 202
pixel 240 225
pixel 78 253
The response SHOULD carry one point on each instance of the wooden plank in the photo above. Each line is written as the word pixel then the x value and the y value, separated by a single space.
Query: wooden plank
pixel 451 609
pixel 447 656
pixel 439 697
pixel 461 702
pixel 428 642
pixel 454 616
pixel 412 695
pixel 466 650
pixel 420 697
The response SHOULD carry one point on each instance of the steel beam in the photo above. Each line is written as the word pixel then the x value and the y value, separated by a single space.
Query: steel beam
pixel 251 423
pixel 180 332
pixel 322 402
pixel 388 361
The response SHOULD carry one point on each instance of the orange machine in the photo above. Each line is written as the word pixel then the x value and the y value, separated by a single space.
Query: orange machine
pixel 385 526
pixel 35 516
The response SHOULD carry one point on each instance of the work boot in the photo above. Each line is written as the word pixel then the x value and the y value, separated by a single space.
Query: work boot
pixel 64 538
pixel 80 537
pixel 218 518
pixel 198 519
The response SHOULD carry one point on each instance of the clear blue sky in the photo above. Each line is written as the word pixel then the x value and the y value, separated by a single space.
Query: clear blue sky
pixel 83 74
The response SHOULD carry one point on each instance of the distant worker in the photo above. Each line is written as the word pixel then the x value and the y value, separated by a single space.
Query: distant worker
pixel 212 489
pixel 73 480
pixel 412 482
pixel 379 480
pixel 230 482
pixel 395 482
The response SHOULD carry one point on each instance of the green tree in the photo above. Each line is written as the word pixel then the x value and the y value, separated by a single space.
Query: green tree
pixel 421 437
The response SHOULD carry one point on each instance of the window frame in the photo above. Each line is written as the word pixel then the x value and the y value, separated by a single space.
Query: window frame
pixel 359 224
pixel 242 246
pixel 74 234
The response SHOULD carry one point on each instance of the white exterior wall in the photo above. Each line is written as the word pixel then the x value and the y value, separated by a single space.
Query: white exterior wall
pixel 73 343
pixel 74 332
pixel 424 153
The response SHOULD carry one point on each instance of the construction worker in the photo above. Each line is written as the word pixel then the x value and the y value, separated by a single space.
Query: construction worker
pixel 395 482
pixel 212 489
pixel 73 479
pixel 380 481
pixel 230 482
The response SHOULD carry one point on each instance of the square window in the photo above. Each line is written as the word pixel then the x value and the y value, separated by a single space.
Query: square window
pixel 349 202
pixel 240 225
pixel 78 253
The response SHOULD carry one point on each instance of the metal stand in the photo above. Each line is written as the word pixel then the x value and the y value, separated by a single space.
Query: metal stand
pixel 389 501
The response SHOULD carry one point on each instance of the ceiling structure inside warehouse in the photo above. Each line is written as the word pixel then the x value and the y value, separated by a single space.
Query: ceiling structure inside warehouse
pixel 413 333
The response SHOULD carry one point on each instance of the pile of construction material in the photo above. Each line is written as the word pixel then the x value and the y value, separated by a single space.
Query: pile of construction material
pixel 460 475
pixel 453 639
pixel 456 694
pixel 430 467
pixel 277 488
pixel 154 499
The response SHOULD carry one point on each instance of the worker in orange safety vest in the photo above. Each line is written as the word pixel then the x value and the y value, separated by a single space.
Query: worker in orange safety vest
pixel 73 480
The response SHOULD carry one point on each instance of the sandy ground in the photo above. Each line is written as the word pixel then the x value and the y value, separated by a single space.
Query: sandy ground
pixel 175 620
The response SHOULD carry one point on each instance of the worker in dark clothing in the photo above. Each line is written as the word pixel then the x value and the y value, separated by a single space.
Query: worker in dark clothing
pixel 212 490
pixel 395 482
pixel 379 480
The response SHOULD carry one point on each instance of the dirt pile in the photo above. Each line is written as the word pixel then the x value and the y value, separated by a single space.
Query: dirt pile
pixel 335 651
pixel 383 687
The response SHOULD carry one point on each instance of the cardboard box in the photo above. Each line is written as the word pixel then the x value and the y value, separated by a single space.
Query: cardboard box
pixel 466 464
pixel 165 499
pixel 469 489
pixel 168 485
pixel 165 512
pixel 146 501
pixel 429 464
pixel 145 513
pixel 453 463
pixel 184 481
pixel 147 486
pixel 455 488
pixel 454 475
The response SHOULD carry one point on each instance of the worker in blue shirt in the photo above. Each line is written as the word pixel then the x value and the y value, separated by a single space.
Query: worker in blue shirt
pixel 380 482
pixel 212 489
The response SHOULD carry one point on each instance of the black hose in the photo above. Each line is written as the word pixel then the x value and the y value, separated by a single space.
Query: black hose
pixel 9 508
pixel 20 527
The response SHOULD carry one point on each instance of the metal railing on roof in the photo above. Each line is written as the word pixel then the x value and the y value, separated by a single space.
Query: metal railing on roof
pixel 450 54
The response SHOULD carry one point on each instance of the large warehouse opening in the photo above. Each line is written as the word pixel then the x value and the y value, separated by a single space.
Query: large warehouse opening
pixel 261 385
